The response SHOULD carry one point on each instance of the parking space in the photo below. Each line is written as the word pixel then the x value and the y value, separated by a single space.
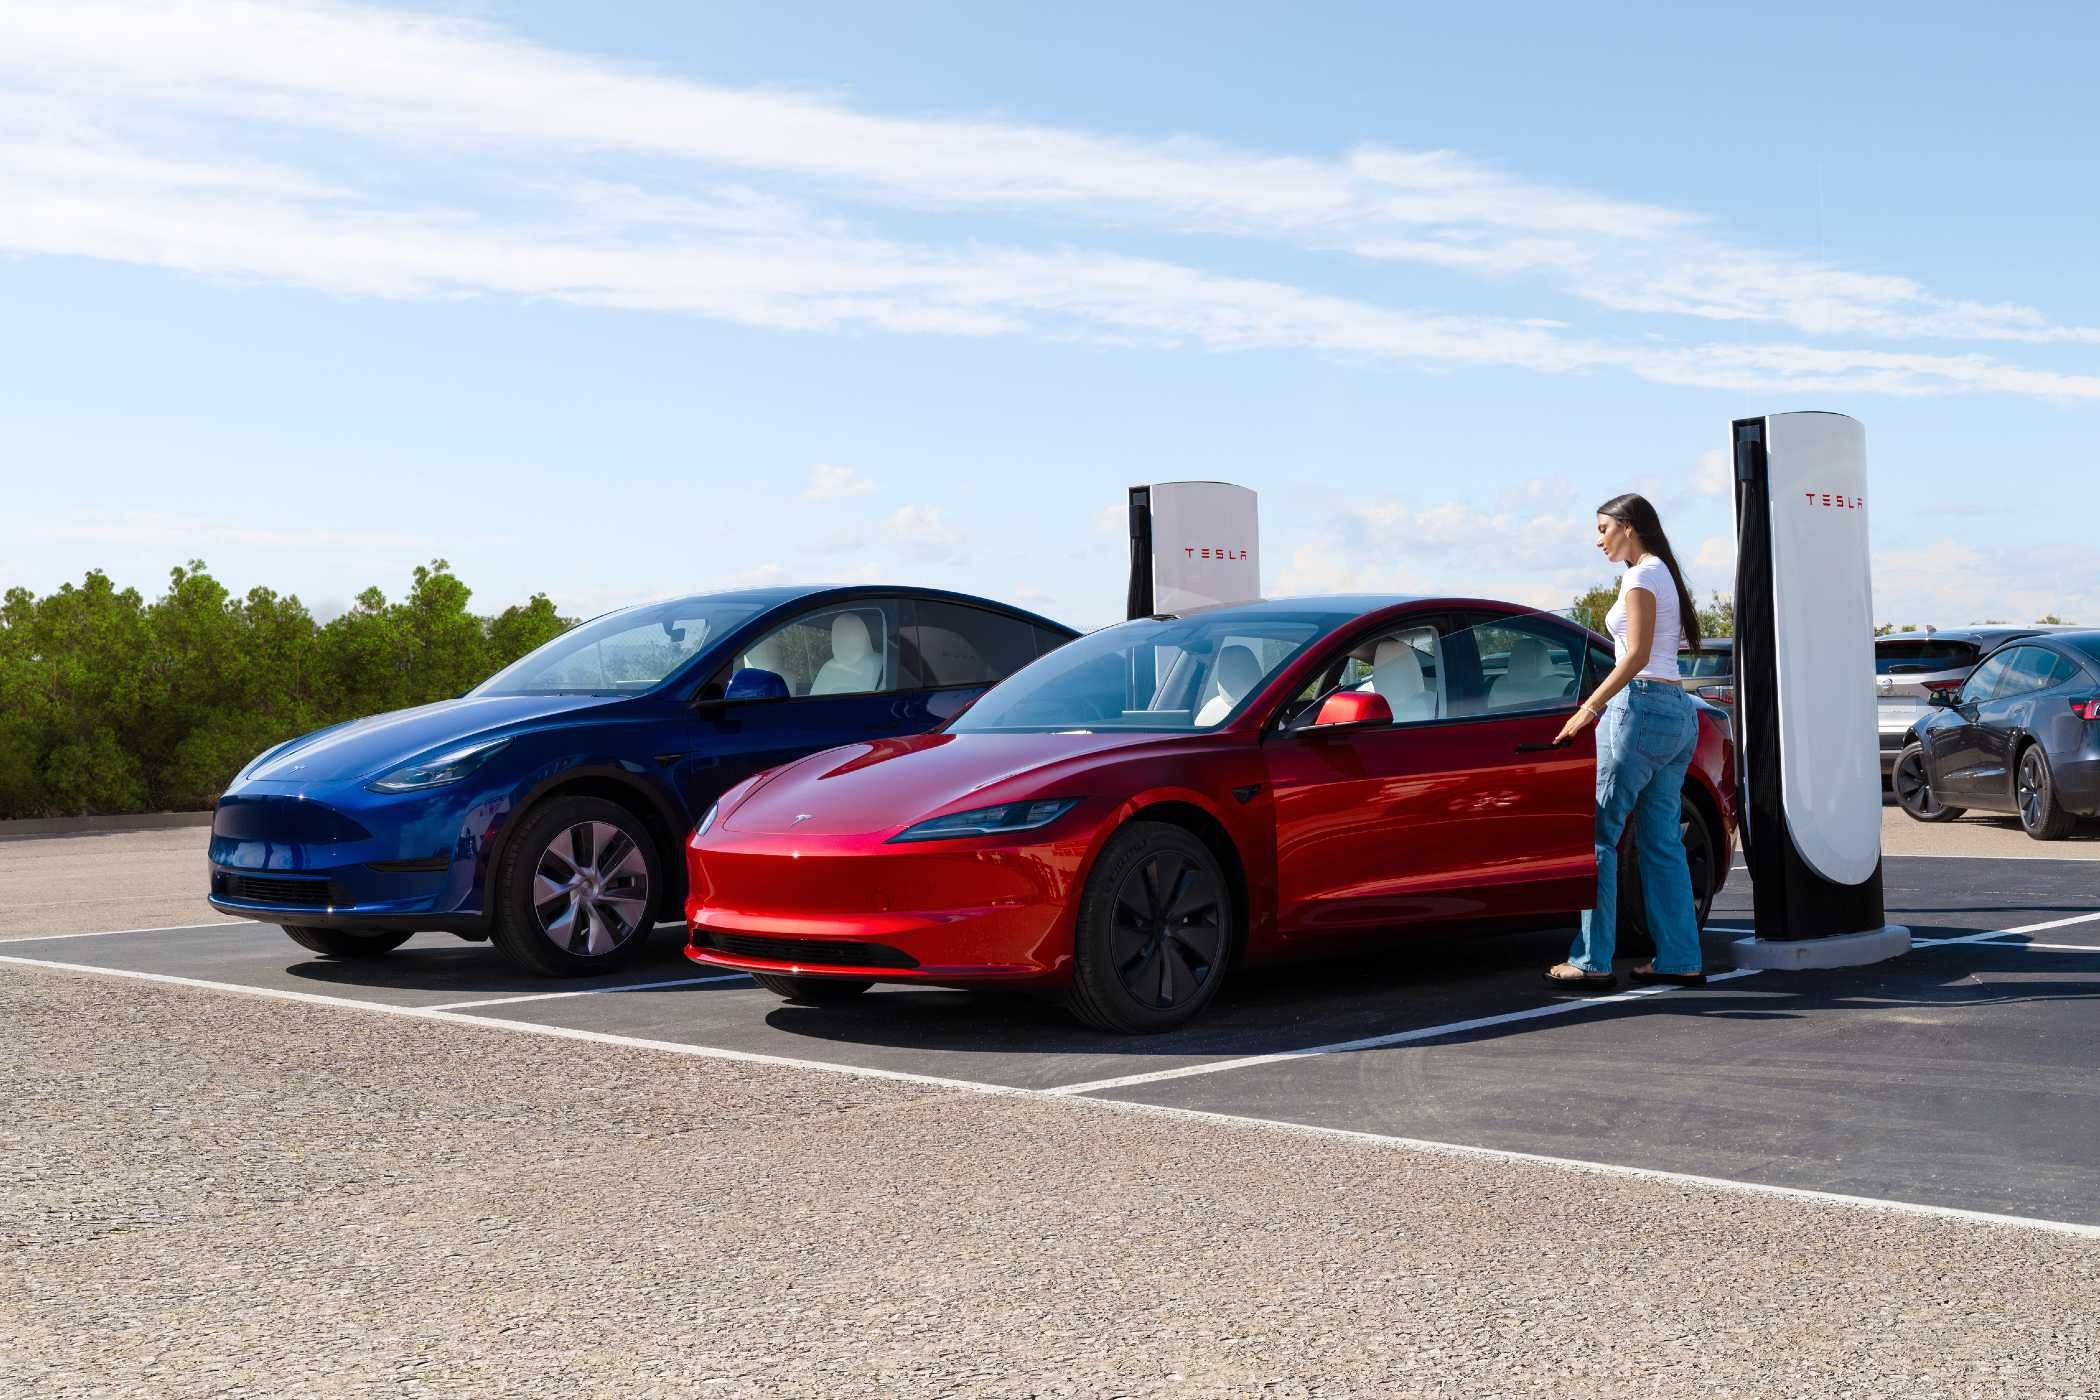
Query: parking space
pixel 1955 1077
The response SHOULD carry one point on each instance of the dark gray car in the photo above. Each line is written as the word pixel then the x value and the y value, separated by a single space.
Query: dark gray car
pixel 1911 667
pixel 2020 735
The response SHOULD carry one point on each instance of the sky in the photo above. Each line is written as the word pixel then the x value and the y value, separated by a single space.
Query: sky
pixel 615 302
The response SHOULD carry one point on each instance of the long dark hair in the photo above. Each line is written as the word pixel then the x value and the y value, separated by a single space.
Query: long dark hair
pixel 1634 510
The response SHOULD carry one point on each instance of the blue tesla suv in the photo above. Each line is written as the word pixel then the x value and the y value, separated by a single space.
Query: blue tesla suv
pixel 545 810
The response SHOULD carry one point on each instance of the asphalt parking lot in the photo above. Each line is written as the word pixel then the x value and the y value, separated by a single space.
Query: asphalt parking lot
pixel 1958 1076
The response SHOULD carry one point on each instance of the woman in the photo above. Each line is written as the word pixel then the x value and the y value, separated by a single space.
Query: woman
pixel 1646 731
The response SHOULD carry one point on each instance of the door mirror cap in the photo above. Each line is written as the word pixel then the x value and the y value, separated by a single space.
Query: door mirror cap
pixel 747 686
pixel 1944 699
pixel 1351 707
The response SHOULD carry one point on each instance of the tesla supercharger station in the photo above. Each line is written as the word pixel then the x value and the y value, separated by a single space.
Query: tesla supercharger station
pixel 1807 741
pixel 1192 543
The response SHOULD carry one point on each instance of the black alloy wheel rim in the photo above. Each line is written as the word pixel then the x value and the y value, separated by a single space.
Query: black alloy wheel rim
pixel 2034 788
pixel 1913 793
pixel 1166 930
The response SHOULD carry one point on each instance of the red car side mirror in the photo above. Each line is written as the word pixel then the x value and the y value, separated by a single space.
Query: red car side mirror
pixel 1353 707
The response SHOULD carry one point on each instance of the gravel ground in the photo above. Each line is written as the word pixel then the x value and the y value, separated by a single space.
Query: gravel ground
pixel 127 879
pixel 216 1195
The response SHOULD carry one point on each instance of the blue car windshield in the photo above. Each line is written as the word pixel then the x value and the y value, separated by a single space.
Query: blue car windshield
pixel 622 652
pixel 1154 674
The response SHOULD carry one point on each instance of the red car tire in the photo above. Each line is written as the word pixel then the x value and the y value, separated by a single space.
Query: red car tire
pixel 1155 931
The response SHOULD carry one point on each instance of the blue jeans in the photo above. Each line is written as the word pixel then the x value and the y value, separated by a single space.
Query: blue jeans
pixel 1644 745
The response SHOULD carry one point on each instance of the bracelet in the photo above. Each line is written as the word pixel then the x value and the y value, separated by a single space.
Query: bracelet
pixel 1595 712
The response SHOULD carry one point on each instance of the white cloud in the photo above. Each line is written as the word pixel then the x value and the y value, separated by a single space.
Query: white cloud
pixel 187 218
pixel 1714 474
pixel 427 82
pixel 829 483
pixel 925 534
pixel 493 113
pixel 1952 583
pixel 839 542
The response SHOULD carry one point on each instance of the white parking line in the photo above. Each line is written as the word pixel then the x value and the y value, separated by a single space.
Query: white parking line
pixel 1717 1183
pixel 1374 1042
pixel 2006 932
pixel 1065 1095
pixel 106 932
pixel 2046 947
pixel 591 991
pixel 454 1018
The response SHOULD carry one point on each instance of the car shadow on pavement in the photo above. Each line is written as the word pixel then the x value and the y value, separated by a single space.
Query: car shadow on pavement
pixel 1299 1007
pixel 471 969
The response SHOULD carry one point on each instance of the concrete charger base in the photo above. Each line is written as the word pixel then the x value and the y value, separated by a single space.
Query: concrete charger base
pixel 1838 950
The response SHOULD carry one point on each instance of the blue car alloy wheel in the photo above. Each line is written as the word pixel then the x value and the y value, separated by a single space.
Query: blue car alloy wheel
pixel 547 809
pixel 577 886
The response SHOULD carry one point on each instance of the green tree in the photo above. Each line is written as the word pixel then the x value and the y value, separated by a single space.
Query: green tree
pixel 1593 603
pixel 1717 619
pixel 111 704
pixel 522 627
pixel 2049 620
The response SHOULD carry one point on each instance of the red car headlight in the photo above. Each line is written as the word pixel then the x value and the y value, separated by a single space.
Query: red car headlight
pixel 989 821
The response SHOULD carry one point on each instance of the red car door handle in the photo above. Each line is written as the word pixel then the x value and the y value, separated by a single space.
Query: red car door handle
pixel 1544 748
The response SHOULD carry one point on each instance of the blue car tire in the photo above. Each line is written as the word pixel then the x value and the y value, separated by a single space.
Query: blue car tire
pixel 577 889
pixel 347 942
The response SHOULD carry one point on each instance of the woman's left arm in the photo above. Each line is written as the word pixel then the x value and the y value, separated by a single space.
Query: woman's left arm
pixel 1640 635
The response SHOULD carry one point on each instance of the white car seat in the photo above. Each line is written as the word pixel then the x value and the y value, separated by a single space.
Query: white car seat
pixel 1530 679
pixel 855 666
pixel 763 656
pixel 1239 671
pixel 1396 674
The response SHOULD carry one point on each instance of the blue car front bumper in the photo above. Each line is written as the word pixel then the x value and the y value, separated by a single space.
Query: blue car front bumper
pixel 289 853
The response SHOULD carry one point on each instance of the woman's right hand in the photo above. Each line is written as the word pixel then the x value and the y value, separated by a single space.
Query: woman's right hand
pixel 1582 719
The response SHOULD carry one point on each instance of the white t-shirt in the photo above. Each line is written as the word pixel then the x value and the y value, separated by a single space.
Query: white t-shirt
pixel 1654 575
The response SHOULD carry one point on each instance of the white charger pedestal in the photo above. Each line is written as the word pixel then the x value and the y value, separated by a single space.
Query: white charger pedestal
pixel 1807 738
pixel 1807 954
pixel 1192 544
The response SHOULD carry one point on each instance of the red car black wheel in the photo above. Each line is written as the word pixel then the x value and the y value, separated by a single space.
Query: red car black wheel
pixel 1154 931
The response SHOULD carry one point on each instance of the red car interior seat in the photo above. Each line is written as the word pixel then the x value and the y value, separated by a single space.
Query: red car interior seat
pixel 1396 673
pixel 1530 679
pixel 1239 671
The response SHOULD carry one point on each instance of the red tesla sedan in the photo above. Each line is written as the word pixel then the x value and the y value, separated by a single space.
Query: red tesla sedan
pixel 1146 809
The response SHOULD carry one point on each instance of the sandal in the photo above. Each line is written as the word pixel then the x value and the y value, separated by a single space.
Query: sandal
pixel 1580 979
pixel 1647 974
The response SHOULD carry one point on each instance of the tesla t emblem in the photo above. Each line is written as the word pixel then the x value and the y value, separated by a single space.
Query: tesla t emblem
pixel 801 817
pixel 1888 683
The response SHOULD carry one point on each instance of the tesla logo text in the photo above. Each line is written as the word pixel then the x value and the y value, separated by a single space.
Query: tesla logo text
pixel 1835 501
pixel 1212 551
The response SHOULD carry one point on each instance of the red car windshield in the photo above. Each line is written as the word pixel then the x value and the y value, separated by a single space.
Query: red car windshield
pixel 1154 674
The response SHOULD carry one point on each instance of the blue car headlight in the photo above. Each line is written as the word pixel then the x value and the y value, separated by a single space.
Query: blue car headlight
pixel 447 767
pixel 989 821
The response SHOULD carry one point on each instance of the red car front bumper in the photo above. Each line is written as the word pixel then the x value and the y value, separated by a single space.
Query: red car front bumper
pixel 952 912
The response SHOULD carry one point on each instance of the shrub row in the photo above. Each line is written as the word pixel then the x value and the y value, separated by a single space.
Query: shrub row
pixel 110 703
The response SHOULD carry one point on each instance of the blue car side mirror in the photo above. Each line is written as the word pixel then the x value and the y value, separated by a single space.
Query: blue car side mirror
pixel 751 683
